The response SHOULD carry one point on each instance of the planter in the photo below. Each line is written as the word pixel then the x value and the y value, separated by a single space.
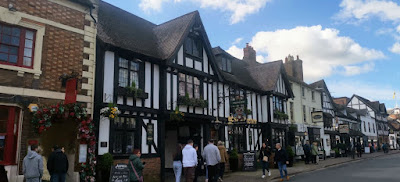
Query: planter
pixel 234 164
pixel 140 94
pixel 291 161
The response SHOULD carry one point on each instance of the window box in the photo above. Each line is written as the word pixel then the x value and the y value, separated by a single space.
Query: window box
pixel 185 100
pixel 280 115
pixel 132 92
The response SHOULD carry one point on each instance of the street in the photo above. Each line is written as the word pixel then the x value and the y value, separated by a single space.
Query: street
pixel 377 169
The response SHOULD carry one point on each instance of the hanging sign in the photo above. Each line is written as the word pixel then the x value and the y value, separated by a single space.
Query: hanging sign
pixel 317 116
pixel 150 134
pixel 70 91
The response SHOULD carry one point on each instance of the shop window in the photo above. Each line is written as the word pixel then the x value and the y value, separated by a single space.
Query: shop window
pixel 128 73
pixel 16 46
pixel 124 135
pixel 237 138
pixel 189 85
pixel 9 122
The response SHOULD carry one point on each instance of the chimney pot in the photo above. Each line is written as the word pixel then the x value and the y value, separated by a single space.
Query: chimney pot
pixel 297 57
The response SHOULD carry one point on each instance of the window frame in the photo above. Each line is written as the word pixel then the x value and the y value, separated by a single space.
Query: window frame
pixel 278 103
pixel 194 39
pixel 125 130
pixel 21 46
pixel 304 114
pixel 312 95
pixel 193 89
pixel 224 64
pixel 129 69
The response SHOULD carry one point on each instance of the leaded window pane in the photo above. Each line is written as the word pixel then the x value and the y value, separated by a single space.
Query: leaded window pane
pixel 123 77
pixel 117 144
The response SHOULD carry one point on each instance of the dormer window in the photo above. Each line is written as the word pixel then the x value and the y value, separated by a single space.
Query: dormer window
pixel 226 64
pixel 193 47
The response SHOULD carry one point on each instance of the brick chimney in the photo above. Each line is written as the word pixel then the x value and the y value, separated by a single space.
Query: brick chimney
pixel 249 54
pixel 294 67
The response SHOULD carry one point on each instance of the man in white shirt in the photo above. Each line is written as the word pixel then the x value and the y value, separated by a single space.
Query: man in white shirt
pixel 189 161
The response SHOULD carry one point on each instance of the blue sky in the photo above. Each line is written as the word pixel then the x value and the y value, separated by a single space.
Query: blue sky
pixel 352 44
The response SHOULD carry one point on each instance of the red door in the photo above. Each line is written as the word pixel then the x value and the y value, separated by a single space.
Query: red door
pixel 8 134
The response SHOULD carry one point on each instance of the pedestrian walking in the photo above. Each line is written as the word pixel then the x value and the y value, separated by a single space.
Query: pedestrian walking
pixel 189 161
pixel 57 165
pixel 199 162
pixel 33 165
pixel 136 166
pixel 307 152
pixel 281 158
pixel 224 159
pixel 177 163
pixel 212 157
pixel 46 174
pixel 314 153
pixel 264 156
pixel 359 149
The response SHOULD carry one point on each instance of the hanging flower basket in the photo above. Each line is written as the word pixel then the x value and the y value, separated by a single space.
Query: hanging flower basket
pixel 43 119
pixel 111 111
pixel 176 116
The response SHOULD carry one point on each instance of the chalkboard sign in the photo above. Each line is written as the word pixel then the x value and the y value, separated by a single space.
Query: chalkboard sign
pixel 119 173
pixel 249 162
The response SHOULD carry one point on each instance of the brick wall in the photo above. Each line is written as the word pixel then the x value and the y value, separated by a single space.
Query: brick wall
pixel 152 169
pixel 48 10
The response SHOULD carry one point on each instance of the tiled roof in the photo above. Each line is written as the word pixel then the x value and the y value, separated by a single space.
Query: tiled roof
pixel 125 30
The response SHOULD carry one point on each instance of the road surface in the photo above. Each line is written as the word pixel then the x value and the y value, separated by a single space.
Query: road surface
pixel 385 169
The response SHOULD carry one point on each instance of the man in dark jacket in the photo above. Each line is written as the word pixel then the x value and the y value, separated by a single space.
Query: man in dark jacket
pixel 307 152
pixel 57 165
pixel 281 158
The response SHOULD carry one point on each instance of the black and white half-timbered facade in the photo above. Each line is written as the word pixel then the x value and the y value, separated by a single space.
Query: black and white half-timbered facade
pixel 171 86
pixel 331 136
pixel 378 112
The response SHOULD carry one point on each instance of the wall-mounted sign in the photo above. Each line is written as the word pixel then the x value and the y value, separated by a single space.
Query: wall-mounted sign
pixel 317 116
pixel 33 107
pixel 82 153
pixel 150 133
pixel 344 128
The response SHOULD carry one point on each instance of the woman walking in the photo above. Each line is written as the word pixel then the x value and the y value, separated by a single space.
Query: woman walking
pixel 224 159
pixel 177 164
pixel 264 156
pixel 314 153
pixel 136 166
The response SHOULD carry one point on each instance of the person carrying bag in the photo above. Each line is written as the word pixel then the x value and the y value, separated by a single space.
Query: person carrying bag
pixel 136 167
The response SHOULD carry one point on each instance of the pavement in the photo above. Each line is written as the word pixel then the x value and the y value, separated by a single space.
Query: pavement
pixel 300 168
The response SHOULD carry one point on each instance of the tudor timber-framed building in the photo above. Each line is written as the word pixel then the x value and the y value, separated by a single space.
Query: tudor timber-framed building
pixel 177 71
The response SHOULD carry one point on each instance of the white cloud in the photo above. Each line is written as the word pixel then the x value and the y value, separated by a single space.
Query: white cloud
pixel 237 41
pixel 238 9
pixel 148 5
pixel 235 51
pixel 398 29
pixel 356 70
pixel 323 51
pixel 395 48
pixel 365 9
pixel 368 90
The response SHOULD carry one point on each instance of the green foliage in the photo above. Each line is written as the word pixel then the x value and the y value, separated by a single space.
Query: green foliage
pixel 234 154
pixel 336 151
pixel 133 90
pixel 341 146
pixel 293 128
pixel 176 116
pixel 247 112
pixel 280 115
pixel 186 100
pixel 290 151
pixel 106 162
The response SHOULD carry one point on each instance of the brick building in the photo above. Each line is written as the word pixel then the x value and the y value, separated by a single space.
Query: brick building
pixel 40 41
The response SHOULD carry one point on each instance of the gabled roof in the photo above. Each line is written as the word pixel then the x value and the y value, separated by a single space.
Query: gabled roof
pixel 128 31
pixel 239 74
pixel 322 85
pixel 373 105
pixel 260 76
pixel 267 75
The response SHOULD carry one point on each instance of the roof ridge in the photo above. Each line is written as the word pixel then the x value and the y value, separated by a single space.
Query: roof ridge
pixel 187 14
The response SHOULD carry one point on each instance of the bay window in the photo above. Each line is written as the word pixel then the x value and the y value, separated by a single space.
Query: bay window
pixel 278 104
pixel 16 46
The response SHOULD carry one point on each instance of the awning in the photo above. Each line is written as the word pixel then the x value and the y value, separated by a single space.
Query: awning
pixel 356 133
pixel 332 132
